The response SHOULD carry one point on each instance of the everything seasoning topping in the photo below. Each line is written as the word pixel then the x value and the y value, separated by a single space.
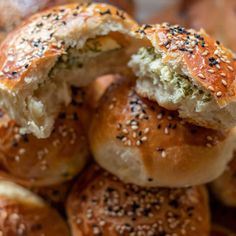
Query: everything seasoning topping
pixel 137 210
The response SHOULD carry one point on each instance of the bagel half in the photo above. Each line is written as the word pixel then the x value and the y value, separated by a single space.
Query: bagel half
pixel 24 213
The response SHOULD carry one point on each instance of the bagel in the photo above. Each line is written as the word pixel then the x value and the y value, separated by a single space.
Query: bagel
pixel 36 162
pixel 24 213
pixel 187 71
pixel 55 49
pixel 144 144
pixel 100 204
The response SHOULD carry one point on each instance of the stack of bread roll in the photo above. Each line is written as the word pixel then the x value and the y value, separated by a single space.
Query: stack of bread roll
pixel 127 154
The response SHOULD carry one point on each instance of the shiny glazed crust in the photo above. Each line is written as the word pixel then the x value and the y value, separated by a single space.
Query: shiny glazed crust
pixel 100 204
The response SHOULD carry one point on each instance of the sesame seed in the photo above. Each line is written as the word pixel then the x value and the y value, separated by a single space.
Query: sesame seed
pixel 111 106
pixel 144 138
pixel 230 68
pixel 163 154
pixel 211 71
pixel 146 130
pixel 209 138
pixel 166 131
pixel 209 145
pixel 201 76
pixel 205 53
pixel 134 127
pixel 138 143
pixel 22 151
pixel 219 94
pixel 224 82
pixel 125 131
pixel 211 88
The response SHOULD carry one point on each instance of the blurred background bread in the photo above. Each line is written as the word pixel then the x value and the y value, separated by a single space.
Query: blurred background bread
pixel 100 204
pixel 13 12
pixel 217 17
pixel 224 187
pixel 23 213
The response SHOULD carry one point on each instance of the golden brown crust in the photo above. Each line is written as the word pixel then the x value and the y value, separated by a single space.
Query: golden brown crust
pixel 100 204
pixel 37 59
pixel 13 12
pixel 55 195
pixel 128 128
pixel 196 15
pixel 29 216
pixel 97 88
pixel 42 162
pixel 224 187
pixel 40 38
pixel 204 59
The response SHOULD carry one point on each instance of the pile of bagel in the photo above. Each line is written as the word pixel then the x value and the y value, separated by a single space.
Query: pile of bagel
pixel 112 128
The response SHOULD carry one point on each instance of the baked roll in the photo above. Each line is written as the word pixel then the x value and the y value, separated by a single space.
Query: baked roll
pixel 24 213
pixel 13 12
pixel 43 162
pixel 144 144
pixel 187 71
pixel 224 187
pixel 100 204
pixel 196 15
pixel 55 195
pixel 97 88
pixel 52 50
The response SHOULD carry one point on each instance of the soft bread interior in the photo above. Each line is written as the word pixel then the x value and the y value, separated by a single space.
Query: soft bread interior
pixel 49 85
pixel 173 89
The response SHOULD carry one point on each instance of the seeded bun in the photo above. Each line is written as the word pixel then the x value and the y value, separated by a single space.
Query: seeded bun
pixel 97 88
pixel 24 213
pixel 144 144
pixel 100 204
pixel 55 49
pixel 44 162
pixel 13 12
pixel 187 71
pixel 196 15
pixel 224 187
